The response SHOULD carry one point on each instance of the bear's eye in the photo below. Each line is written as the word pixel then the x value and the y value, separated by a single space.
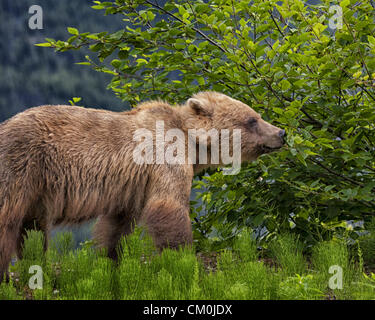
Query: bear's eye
pixel 252 122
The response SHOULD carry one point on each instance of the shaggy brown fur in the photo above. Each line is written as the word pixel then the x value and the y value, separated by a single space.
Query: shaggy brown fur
pixel 66 165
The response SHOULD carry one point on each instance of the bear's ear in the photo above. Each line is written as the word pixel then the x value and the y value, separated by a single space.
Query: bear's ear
pixel 198 107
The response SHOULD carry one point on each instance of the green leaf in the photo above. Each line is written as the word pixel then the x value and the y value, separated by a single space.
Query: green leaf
pixel 298 139
pixel 275 45
pixel 142 61
pixel 301 158
pixel 44 44
pixel 344 3
pixel 278 110
pixel 371 40
pixel 73 31
pixel 98 7
pixel 116 63
pixel 201 81
pixel 150 15
pixel 285 84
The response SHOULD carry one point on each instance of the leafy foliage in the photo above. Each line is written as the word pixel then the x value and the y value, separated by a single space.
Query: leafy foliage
pixel 281 58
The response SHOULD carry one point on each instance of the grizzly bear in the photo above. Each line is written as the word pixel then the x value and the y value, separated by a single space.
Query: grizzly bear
pixel 68 164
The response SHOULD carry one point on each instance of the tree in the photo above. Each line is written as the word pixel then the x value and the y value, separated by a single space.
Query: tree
pixel 32 76
pixel 307 68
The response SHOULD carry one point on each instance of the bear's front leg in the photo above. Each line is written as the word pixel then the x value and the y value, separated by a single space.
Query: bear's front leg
pixel 109 229
pixel 168 222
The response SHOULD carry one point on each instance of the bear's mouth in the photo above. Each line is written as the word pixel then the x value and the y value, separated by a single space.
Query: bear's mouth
pixel 266 149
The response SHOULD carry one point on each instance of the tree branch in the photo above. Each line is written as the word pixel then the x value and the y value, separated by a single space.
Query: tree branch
pixel 195 29
pixel 336 173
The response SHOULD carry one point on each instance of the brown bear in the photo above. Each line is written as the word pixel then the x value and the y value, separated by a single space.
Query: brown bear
pixel 67 164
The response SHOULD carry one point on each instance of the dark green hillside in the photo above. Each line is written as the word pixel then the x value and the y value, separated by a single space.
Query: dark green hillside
pixel 31 75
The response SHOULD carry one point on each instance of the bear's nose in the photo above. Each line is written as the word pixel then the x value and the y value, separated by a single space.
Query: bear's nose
pixel 282 135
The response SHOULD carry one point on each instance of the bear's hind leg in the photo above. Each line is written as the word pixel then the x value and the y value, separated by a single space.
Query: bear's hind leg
pixel 8 242
pixel 13 209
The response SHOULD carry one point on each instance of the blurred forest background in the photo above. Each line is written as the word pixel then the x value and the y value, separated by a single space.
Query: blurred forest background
pixel 32 76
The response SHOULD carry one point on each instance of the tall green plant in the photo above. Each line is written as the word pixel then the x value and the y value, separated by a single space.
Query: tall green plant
pixel 287 251
pixel 334 254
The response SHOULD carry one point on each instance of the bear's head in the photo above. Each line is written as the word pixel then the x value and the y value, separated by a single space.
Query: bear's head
pixel 213 110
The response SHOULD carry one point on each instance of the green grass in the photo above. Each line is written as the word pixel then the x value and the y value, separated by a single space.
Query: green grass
pixel 144 273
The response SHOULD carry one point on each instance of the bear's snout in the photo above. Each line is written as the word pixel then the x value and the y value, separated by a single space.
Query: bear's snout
pixel 272 138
